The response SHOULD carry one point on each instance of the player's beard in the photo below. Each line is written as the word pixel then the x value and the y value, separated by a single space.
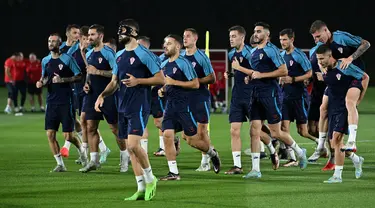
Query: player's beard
pixel 124 40
pixel 55 49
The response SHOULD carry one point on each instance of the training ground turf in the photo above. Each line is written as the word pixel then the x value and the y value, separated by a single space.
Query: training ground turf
pixel 26 181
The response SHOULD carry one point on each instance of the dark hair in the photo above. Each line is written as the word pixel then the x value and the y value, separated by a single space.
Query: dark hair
pixel 289 32
pixel 263 24
pixel 56 34
pixel 69 27
pixel 176 37
pixel 145 38
pixel 32 53
pixel 99 28
pixel 323 49
pixel 192 30
pixel 317 25
pixel 111 41
pixel 84 30
pixel 130 23
pixel 16 54
pixel 239 29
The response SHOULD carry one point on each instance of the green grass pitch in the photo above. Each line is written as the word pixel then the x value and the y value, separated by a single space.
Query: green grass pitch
pixel 25 180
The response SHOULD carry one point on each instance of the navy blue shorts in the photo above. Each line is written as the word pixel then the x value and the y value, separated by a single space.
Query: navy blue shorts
pixel 266 108
pixel 295 109
pixel 338 122
pixel 239 110
pixel 108 111
pixel 314 110
pixel 356 84
pixel 201 111
pixel 78 103
pixel 157 107
pixel 132 123
pixel 59 113
pixel 176 117
pixel 33 90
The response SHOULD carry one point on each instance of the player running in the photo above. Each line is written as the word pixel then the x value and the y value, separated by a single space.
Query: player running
pixel 201 99
pixel 180 83
pixel 101 62
pixel 58 71
pixel 267 64
pixel 137 69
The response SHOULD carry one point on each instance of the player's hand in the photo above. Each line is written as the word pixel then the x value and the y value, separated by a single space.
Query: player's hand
pixel 39 84
pixel 246 79
pixel 86 88
pixel 235 64
pixel 99 103
pixel 131 81
pixel 256 75
pixel 161 92
pixel 226 75
pixel 287 80
pixel 319 75
pixel 345 62
pixel 56 79
pixel 169 81
pixel 91 70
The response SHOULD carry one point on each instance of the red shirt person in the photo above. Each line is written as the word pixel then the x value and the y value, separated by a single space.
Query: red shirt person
pixel 34 73
pixel 9 72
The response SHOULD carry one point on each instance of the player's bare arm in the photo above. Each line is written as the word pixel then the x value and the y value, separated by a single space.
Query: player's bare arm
pixel 210 79
pixel 58 79
pixel 157 79
pixel 236 66
pixel 111 87
pixel 280 72
pixel 193 84
pixel 302 78
pixel 365 45
pixel 94 71
pixel 7 72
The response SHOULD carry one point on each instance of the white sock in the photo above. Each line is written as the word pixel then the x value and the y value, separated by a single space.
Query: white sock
pixel 140 183
pixel 282 145
pixel 237 158
pixel 94 157
pixel 211 152
pixel 271 148
pixel 144 145
pixel 352 133
pixel 67 144
pixel 85 147
pixel 149 176
pixel 161 142
pixel 205 159
pixel 291 153
pixel 338 171
pixel 102 145
pixel 354 158
pixel 124 157
pixel 297 149
pixel 322 139
pixel 255 157
pixel 261 146
pixel 59 159
pixel 173 166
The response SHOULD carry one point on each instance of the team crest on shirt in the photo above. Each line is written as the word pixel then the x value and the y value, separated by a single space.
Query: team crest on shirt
pixel 241 59
pixel 291 62
pixel 194 64
pixel 261 56
pixel 118 59
pixel 338 76
pixel 61 66
pixel 341 50
pixel 174 70
pixel 100 59
pixel 132 59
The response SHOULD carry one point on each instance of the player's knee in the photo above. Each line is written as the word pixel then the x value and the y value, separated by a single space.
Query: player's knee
pixel 275 133
pixel 284 128
pixel 157 123
pixel 68 136
pixel 50 135
pixel 91 128
pixel 350 104
pixel 235 133
pixel 114 129
pixel 302 132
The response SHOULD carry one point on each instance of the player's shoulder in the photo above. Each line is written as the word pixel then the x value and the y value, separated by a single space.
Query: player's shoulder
pixel 63 44
pixel 231 52
pixel 9 61
pixel 106 50
pixel 200 54
pixel 164 63
pixel 299 52
pixel 46 59
pixel 247 48
pixel 282 53
pixel 89 52
pixel 182 52
pixel 338 33
pixel 313 49
pixel 120 52
pixel 183 62
pixel 271 49
pixel 143 52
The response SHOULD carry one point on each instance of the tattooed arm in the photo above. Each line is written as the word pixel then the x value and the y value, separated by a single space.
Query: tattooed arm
pixel 361 49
